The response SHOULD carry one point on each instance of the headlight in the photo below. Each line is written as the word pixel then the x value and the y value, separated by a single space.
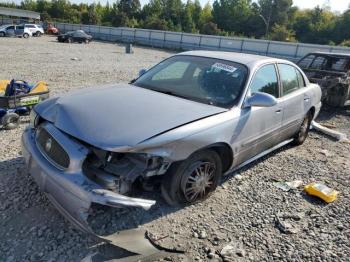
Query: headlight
pixel 34 119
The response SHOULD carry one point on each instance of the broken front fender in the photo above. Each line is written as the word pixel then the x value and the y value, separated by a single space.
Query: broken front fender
pixel 71 192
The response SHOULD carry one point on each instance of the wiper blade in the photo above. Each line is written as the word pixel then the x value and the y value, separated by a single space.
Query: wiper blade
pixel 170 93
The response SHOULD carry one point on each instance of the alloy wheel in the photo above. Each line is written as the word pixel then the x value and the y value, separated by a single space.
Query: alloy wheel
pixel 199 181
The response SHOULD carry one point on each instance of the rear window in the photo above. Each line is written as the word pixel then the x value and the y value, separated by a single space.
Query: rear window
pixel 289 78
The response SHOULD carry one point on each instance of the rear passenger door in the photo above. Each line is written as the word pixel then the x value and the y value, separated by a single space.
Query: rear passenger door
pixel 294 98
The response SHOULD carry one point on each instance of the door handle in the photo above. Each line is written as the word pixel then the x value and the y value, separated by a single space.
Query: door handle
pixel 278 111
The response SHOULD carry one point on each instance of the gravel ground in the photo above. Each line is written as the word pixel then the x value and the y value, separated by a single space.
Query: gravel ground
pixel 247 218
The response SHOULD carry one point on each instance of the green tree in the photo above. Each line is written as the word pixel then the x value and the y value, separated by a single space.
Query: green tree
pixel 231 15
pixel 282 33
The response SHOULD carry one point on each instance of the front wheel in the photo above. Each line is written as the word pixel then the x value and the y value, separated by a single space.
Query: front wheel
pixel 192 180
pixel 303 132
pixel 38 34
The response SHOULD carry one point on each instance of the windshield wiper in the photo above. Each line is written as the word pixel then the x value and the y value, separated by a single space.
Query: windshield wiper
pixel 169 93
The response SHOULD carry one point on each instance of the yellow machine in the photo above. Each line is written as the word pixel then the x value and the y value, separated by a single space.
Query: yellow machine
pixel 17 98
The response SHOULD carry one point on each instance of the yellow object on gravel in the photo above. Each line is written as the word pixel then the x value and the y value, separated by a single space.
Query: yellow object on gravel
pixel 322 191
pixel 41 86
pixel 3 85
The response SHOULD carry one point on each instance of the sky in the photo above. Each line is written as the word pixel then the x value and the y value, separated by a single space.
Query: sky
pixel 336 5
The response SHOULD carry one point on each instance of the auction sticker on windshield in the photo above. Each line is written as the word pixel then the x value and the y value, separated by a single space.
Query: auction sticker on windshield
pixel 224 67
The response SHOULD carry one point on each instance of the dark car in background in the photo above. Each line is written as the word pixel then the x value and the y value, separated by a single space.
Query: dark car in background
pixel 75 36
pixel 332 72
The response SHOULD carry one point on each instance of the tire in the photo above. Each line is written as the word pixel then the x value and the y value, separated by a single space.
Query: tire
pixel 192 180
pixel 25 35
pixel 10 121
pixel 70 40
pixel 86 41
pixel 38 34
pixel 303 132
pixel 2 34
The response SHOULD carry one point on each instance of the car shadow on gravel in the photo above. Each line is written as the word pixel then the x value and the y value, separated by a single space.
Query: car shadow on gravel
pixel 328 113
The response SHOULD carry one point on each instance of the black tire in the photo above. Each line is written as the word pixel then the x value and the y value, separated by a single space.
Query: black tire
pixel 2 34
pixel 183 178
pixel 38 34
pixel 303 132
pixel 86 41
pixel 25 35
pixel 10 121
pixel 70 40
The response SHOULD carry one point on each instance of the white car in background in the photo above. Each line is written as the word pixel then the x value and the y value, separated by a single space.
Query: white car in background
pixel 36 30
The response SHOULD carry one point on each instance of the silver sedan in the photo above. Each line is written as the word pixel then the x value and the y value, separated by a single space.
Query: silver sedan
pixel 179 126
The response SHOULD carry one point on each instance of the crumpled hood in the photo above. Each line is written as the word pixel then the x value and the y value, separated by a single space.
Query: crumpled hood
pixel 120 115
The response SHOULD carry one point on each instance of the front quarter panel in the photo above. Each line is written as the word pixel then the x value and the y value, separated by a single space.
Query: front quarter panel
pixel 180 143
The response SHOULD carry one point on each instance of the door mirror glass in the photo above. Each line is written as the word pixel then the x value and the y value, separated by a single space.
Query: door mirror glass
pixel 260 99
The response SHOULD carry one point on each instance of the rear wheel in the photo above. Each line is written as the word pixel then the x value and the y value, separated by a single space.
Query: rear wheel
pixel 303 132
pixel 10 121
pixel 70 40
pixel 192 180
pixel 2 34
pixel 25 35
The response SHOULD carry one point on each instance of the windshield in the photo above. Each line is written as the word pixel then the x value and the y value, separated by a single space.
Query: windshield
pixel 202 79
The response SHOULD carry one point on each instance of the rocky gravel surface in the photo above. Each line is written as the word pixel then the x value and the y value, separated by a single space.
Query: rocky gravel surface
pixel 247 218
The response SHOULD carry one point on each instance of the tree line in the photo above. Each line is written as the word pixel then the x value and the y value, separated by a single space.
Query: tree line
pixel 266 19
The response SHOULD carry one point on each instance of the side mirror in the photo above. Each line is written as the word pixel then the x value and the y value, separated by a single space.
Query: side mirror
pixel 261 100
pixel 142 71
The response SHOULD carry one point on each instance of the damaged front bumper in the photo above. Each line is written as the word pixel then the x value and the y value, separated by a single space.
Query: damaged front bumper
pixel 70 190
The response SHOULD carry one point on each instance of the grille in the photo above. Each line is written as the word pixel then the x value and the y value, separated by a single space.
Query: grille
pixel 51 149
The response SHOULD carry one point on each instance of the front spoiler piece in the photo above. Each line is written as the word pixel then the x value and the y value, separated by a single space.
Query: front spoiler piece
pixel 72 193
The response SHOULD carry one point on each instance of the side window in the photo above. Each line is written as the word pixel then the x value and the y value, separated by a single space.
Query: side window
pixel 10 27
pixel 305 62
pixel 300 78
pixel 174 71
pixel 318 63
pixel 289 78
pixel 265 80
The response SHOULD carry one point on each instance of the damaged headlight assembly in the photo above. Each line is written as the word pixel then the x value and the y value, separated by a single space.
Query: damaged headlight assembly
pixel 118 171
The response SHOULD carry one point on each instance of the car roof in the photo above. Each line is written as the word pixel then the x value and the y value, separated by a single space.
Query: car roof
pixel 330 54
pixel 249 60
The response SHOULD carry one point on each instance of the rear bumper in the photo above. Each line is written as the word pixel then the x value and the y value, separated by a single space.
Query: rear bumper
pixel 71 192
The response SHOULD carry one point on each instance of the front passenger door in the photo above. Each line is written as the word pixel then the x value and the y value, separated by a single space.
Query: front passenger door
pixel 259 127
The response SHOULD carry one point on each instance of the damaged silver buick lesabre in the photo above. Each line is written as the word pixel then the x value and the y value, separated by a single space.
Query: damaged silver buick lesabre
pixel 179 125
